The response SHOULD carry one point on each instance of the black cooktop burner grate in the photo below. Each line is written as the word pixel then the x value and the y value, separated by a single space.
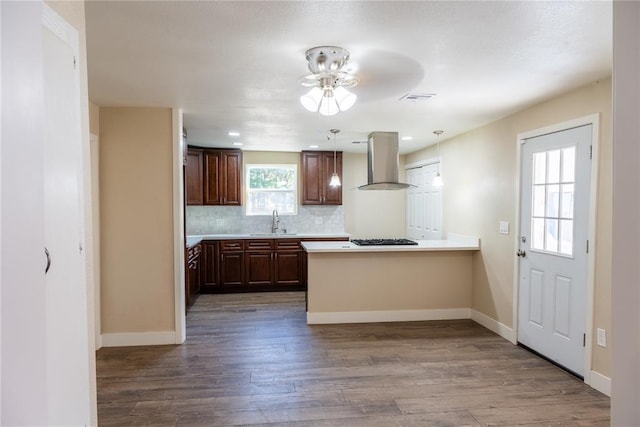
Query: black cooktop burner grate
pixel 383 242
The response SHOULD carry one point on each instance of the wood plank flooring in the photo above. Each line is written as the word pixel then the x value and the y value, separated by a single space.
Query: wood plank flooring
pixel 251 359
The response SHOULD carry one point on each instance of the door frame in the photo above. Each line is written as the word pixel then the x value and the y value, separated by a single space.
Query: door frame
pixel 594 121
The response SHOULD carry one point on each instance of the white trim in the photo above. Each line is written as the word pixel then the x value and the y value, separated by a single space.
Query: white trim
pixel 129 339
pixel 494 326
pixel 178 230
pixel 594 121
pixel 600 383
pixel 387 316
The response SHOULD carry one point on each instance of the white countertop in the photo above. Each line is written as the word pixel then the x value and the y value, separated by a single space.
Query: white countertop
pixel 453 243
pixel 193 240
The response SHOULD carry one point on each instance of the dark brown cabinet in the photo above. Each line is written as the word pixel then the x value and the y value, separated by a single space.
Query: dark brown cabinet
pixel 222 177
pixel 289 262
pixel 194 274
pixel 259 262
pixel 250 265
pixel 231 267
pixel 194 177
pixel 210 268
pixel 317 168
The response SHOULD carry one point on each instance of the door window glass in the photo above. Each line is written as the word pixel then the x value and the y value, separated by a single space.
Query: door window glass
pixel 552 201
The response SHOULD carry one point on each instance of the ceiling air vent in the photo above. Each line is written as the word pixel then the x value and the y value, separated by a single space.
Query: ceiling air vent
pixel 416 97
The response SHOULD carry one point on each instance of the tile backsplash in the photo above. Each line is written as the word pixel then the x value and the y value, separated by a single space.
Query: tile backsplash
pixel 203 220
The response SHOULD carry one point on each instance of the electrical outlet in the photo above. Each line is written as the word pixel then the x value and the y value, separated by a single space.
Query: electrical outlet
pixel 504 227
pixel 602 337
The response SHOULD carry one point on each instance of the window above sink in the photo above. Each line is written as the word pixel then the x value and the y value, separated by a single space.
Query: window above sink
pixel 271 187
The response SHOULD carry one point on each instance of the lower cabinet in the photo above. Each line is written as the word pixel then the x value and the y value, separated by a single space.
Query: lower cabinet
pixel 252 265
pixel 288 263
pixel 231 265
pixel 194 274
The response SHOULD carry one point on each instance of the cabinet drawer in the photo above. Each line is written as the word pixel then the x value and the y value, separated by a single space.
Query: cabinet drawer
pixel 288 244
pixel 231 245
pixel 258 244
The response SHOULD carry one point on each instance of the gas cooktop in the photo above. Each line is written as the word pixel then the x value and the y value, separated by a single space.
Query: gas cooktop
pixel 383 242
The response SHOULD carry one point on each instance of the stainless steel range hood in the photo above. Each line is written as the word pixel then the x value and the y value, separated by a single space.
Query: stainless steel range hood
pixel 383 158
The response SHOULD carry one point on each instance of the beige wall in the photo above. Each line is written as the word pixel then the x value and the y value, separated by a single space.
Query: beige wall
pixel 625 384
pixel 136 230
pixel 479 170
pixel 370 214
pixel 94 119
pixel 389 281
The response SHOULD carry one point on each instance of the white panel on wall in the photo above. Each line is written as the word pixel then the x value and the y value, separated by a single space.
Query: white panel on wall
pixel 424 204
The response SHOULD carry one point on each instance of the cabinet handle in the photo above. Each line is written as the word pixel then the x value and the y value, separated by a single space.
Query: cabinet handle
pixel 46 252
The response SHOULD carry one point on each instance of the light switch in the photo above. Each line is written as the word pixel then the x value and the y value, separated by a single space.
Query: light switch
pixel 504 227
pixel 602 337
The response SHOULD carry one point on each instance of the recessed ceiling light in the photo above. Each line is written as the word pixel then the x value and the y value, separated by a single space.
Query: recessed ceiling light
pixel 233 133
pixel 237 143
pixel 406 138
pixel 314 146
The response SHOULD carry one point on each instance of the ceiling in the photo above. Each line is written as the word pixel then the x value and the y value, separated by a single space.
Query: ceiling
pixel 235 65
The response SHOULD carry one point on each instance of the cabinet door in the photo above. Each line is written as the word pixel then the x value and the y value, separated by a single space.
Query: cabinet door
pixel 288 268
pixel 231 178
pixel 193 177
pixel 231 268
pixel 210 265
pixel 312 186
pixel 212 183
pixel 332 195
pixel 259 268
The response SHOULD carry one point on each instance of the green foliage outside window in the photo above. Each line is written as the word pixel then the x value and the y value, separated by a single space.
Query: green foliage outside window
pixel 272 178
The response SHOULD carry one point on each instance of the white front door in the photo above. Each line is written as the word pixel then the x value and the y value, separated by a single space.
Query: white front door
pixel 556 176
pixel 424 204
pixel 67 355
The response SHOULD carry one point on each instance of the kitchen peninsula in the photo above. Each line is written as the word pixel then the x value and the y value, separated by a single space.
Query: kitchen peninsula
pixel 348 283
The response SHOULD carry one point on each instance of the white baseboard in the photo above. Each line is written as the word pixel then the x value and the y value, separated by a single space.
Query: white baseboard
pixel 387 316
pixel 600 383
pixel 138 338
pixel 493 325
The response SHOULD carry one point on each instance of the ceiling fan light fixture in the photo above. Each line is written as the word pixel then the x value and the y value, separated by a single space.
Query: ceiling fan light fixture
pixel 328 81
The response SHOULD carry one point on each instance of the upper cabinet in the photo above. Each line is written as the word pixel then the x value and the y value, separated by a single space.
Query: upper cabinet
pixel 213 177
pixel 193 176
pixel 317 168
pixel 222 177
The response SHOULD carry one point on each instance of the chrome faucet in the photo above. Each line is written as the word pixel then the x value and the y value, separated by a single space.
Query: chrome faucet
pixel 275 221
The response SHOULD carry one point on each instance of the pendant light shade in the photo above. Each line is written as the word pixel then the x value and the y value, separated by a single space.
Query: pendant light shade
pixel 335 179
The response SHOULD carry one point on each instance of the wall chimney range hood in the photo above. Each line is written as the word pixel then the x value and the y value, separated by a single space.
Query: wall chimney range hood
pixel 383 158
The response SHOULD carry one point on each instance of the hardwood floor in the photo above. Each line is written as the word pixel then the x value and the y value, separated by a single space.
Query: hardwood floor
pixel 251 359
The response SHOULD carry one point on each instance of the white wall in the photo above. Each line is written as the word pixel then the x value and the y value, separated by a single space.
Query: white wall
pixel 625 408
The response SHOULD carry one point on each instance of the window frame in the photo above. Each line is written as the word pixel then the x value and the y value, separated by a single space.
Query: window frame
pixel 249 190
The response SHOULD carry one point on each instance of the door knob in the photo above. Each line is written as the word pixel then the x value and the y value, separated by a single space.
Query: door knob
pixel 521 253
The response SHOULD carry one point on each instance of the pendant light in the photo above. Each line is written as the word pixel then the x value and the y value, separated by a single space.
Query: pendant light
pixel 335 179
pixel 437 180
